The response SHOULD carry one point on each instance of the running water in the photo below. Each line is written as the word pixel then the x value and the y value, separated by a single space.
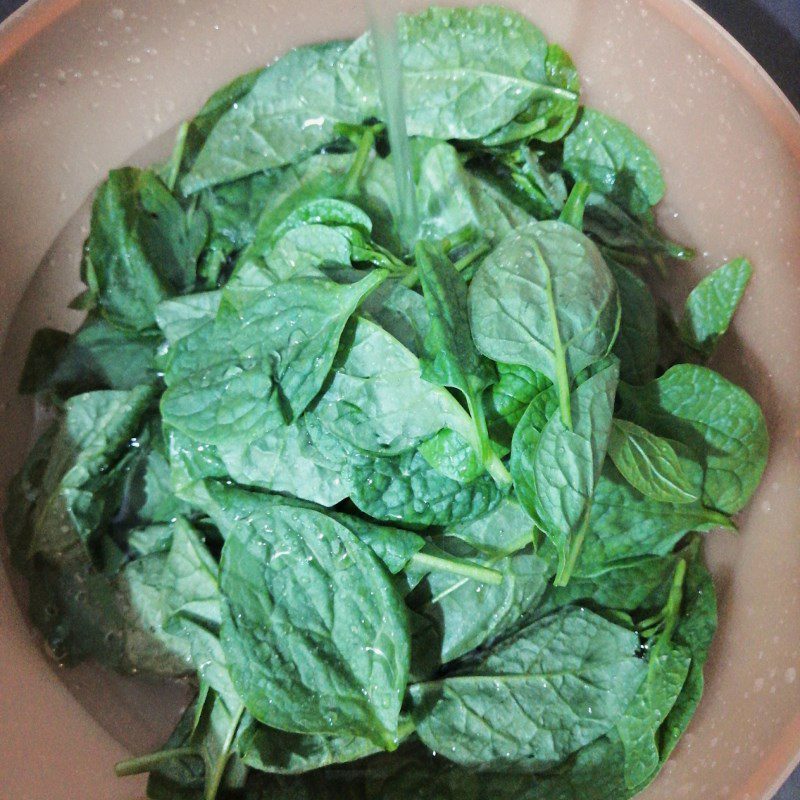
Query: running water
pixel 383 22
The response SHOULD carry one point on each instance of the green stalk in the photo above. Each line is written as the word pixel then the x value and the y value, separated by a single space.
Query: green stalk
pixel 214 773
pixel 566 566
pixel 515 547
pixel 356 171
pixel 572 213
pixel 146 763
pixel 412 276
pixel 491 461
pixel 434 560
pixel 559 357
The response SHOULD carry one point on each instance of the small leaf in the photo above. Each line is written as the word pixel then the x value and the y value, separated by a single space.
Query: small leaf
pixel 712 303
pixel 650 464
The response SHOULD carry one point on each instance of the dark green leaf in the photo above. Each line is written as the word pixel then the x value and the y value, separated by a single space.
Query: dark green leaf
pixel 523 703
pixel 315 636
pixel 544 298
pixel 637 341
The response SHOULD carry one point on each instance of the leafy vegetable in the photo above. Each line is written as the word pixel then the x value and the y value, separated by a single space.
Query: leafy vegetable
pixel 614 161
pixel 391 479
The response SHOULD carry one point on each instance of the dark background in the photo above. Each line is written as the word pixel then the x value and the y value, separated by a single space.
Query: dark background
pixel 770 30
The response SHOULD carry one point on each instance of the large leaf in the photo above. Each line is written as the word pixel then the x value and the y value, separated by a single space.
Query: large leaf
pixel 451 356
pixel 288 113
pixel 376 399
pixel 525 702
pixel 466 72
pixel 625 524
pixel 406 488
pixel 464 614
pixel 555 475
pixel 261 361
pixel 544 298
pixel 315 635
pixel 650 464
pixel 637 341
pixel 98 356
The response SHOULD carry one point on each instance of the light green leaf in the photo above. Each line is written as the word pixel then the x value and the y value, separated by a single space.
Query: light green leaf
pixel 614 161
pixel 650 464
pixel 712 303
pixel 483 66
pixel 544 298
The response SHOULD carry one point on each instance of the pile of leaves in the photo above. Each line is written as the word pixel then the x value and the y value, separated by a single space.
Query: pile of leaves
pixel 422 514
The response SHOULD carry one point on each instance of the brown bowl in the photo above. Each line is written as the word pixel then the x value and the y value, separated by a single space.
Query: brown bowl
pixel 86 86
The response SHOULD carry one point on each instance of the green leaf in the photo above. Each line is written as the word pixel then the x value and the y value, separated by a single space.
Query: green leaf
pixel 451 199
pixel 277 752
pixel 545 299
pixel 555 475
pixel 638 728
pixel 314 633
pixel 191 577
pixel 451 356
pixel 625 524
pixel 637 341
pixel 510 397
pixel 98 356
pixel 449 453
pixel 524 702
pixel 288 113
pixel 498 532
pixel 695 630
pixel 376 399
pixel 614 161
pixel 466 72
pixel 712 303
pixel 80 486
pixel 547 119
pixel 465 614
pixel 719 421
pixel 287 460
pixel 179 317
pixel 406 488
pixel 142 247
pixel 625 587
pixel 261 361
pixel 650 464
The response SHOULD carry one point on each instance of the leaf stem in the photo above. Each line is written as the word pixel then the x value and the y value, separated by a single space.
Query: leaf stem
pixel 559 356
pixel 146 763
pixel 356 170
pixel 567 566
pixel 435 560
pixel 412 276
pixel 214 773
pixel 572 213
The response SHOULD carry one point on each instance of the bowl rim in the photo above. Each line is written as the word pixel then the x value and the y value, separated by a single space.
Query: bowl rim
pixel 22 27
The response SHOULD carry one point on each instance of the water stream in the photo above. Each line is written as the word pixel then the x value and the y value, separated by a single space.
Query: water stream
pixel 383 23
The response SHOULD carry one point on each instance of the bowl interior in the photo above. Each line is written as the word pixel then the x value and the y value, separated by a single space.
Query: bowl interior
pixel 101 85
